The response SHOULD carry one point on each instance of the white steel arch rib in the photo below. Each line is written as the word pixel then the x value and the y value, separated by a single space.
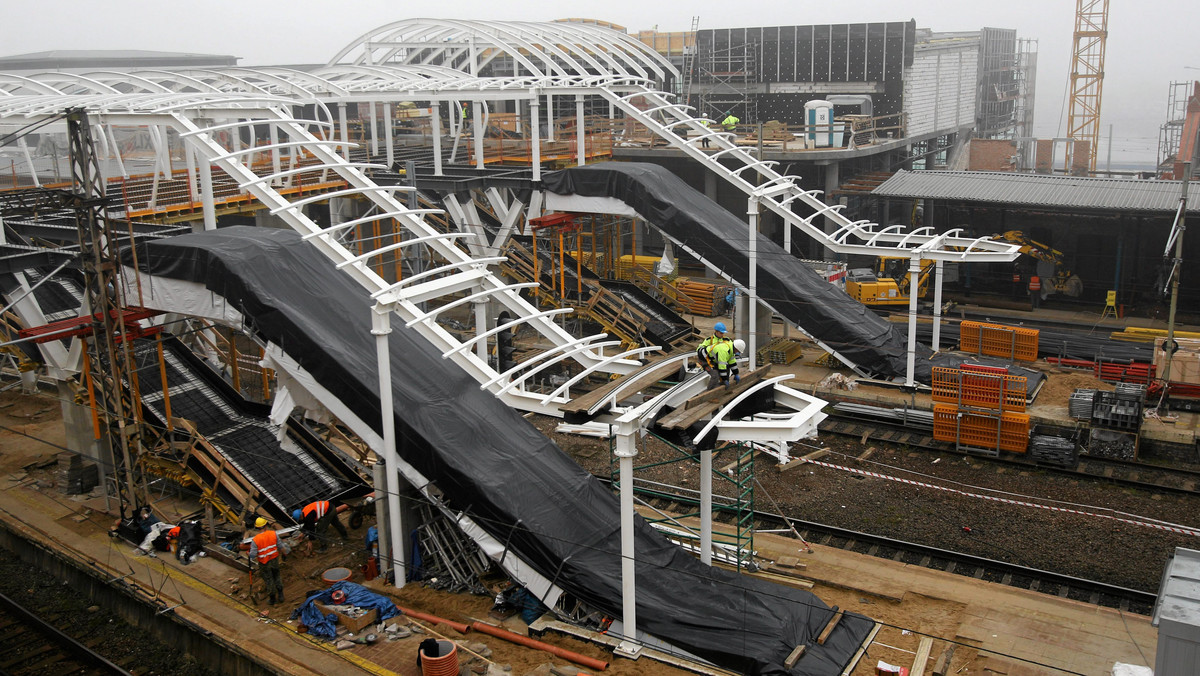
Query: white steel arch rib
pixel 542 48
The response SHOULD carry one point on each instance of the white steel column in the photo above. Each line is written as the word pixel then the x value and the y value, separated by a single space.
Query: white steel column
pixel 379 474
pixel 937 305
pixel 437 138
pixel 206 194
pixel 381 327
pixel 374 125
pixel 580 138
pixel 752 292
pixel 626 450
pixel 477 131
pixel 481 326
pixel 550 118
pixel 914 272
pixel 276 162
pixel 344 126
pixel 387 134
pixel 535 150
pixel 706 508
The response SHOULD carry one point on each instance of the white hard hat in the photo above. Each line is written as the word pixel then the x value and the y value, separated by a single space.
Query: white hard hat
pixel 739 345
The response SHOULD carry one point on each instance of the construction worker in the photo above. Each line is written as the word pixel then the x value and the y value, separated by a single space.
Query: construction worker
pixel 315 518
pixel 730 122
pixel 703 353
pixel 189 544
pixel 1035 291
pixel 267 550
pixel 157 536
pixel 725 355
pixel 707 125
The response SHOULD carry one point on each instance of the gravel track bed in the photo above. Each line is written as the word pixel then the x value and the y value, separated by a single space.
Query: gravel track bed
pixel 74 614
pixel 1092 546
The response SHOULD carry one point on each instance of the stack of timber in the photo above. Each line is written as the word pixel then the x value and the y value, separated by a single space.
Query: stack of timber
pixel 1052 450
pixel 74 476
pixel 704 405
pixel 702 298
pixel 780 351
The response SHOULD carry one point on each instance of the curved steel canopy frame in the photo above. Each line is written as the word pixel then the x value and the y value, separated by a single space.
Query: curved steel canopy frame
pixel 535 48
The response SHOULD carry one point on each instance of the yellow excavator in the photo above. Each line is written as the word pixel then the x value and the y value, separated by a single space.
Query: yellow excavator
pixel 888 283
pixel 1063 281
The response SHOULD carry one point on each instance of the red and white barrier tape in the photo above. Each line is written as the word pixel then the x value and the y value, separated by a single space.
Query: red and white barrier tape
pixel 1173 529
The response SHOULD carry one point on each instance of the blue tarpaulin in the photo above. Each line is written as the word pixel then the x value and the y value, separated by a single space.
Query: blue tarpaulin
pixel 356 595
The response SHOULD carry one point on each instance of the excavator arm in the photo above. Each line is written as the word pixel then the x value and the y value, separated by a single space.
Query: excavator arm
pixel 1064 281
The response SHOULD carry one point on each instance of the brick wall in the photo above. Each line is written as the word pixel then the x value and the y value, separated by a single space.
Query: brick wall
pixel 1043 156
pixel 992 155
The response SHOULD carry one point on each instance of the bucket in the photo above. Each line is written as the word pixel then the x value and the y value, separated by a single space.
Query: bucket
pixel 445 664
pixel 335 575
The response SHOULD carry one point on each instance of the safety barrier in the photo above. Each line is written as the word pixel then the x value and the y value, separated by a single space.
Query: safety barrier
pixel 979 386
pixel 998 340
pixel 1005 431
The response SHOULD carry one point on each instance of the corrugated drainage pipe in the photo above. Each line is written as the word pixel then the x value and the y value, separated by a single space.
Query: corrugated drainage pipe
pixel 582 660
pixel 445 664
pixel 434 619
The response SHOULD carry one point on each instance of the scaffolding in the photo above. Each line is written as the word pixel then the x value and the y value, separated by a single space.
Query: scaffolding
pixel 1171 132
pixel 726 79
pixel 733 546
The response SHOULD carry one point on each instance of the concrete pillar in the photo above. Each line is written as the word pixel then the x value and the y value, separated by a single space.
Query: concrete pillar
pixel 831 184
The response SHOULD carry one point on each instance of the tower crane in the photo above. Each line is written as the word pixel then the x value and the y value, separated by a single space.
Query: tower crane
pixel 1087 79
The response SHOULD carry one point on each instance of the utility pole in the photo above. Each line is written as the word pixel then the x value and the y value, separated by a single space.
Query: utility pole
pixel 1176 265
pixel 108 352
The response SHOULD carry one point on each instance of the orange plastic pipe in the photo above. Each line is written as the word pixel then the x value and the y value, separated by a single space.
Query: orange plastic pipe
pixel 434 619
pixel 582 660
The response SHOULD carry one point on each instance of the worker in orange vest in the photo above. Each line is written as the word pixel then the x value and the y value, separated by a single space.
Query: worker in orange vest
pixel 1035 291
pixel 316 517
pixel 267 550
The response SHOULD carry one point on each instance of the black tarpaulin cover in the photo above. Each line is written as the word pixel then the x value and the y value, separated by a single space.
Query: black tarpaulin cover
pixel 494 465
pixel 791 288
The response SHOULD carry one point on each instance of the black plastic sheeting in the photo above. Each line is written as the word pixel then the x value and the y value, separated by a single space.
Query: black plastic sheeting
pixel 495 466
pixel 784 283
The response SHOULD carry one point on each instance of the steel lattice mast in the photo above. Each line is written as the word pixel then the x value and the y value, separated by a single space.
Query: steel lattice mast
pixel 1087 79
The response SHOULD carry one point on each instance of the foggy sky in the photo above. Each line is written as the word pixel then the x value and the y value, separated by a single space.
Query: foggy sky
pixel 1150 42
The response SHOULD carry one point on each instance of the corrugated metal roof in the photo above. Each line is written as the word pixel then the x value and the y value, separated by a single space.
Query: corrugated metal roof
pixel 1040 190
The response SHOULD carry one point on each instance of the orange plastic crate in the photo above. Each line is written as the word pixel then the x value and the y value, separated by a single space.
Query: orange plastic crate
pixel 982 387
pixel 978 430
pixel 998 340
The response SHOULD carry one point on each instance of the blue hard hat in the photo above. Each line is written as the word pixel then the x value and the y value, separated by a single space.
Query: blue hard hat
pixel 297 515
pixel 719 326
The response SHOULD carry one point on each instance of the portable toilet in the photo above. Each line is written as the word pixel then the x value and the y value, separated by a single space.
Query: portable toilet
pixel 818 121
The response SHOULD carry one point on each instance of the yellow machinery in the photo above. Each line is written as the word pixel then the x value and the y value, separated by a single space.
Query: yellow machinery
pixel 1063 281
pixel 888 283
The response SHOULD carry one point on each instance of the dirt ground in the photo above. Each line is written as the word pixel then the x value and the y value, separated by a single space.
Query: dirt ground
pixel 31 431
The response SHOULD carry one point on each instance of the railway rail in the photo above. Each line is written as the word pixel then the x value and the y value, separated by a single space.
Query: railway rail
pixel 1132 474
pixel 31 645
pixel 678 500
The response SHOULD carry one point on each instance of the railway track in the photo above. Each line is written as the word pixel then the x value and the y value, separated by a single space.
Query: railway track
pixel 30 645
pixel 677 500
pixel 1131 474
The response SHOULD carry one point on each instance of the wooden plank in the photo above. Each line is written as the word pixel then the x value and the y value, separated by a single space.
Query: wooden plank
pixel 942 666
pixel 862 649
pixel 922 657
pixel 867 453
pixel 790 562
pixel 794 656
pixel 833 623
pixel 684 417
pixel 641 378
pixel 791 464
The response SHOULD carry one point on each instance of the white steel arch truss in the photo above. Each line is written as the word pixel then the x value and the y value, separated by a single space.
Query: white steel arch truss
pixel 536 48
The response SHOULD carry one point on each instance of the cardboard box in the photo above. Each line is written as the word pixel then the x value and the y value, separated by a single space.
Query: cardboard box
pixel 352 624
